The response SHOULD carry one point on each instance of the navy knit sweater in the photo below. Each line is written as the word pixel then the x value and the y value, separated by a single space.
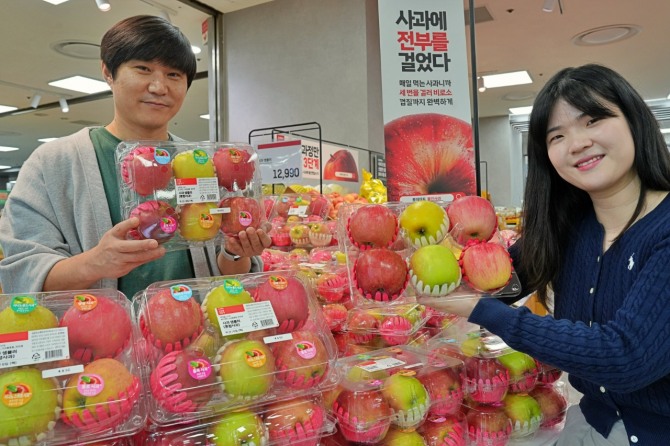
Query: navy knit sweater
pixel 611 330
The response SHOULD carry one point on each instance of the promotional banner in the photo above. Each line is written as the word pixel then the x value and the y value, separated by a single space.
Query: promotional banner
pixel 426 100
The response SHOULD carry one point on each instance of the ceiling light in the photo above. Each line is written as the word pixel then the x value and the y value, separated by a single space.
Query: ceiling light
pixel 35 101
pixel 103 5
pixel 55 2
pixel 7 167
pixel 8 149
pixel 480 85
pixel 63 105
pixel 196 49
pixel 665 130
pixel 605 34
pixel 548 5
pixel 6 108
pixel 521 110
pixel 81 84
pixel 507 79
pixel 47 139
pixel 205 116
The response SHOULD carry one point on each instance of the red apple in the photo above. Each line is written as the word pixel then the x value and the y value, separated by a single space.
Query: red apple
pixel 303 361
pixel 547 374
pixel 363 416
pixel 183 381
pixel 445 431
pixel 372 226
pixel 197 223
pixel 396 329
pixel 552 403
pixel 146 170
pixel 341 167
pixel 471 217
pixel 445 389
pixel 362 327
pixel 243 213
pixel 485 266
pixel 297 422
pixel 98 327
pixel 234 167
pixel 488 425
pixel 158 220
pixel 486 380
pixel 429 153
pixel 335 315
pixel 320 206
pixel 380 274
pixel 170 323
pixel 289 299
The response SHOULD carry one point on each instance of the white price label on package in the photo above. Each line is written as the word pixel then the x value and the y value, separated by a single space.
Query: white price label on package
pixel 197 190
pixel 244 318
pixel 33 347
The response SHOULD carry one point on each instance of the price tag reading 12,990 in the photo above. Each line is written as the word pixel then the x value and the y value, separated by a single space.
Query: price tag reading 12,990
pixel 280 162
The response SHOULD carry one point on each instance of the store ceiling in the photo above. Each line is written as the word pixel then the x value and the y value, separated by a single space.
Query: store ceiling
pixel 510 35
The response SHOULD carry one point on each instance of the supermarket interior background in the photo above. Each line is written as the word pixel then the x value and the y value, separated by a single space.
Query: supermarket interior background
pixel 293 61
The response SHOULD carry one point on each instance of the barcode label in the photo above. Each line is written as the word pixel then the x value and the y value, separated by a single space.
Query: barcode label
pixel 53 353
pixel 197 190
pixel 267 322
pixel 254 316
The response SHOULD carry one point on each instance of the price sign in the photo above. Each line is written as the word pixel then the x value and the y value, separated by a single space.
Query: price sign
pixel 311 160
pixel 280 162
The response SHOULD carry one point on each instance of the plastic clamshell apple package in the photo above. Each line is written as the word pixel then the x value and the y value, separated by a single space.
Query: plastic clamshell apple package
pixel 394 388
pixel 236 342
pixel 296 421
pixel 189 194
pixel 388 325
pixel 69 371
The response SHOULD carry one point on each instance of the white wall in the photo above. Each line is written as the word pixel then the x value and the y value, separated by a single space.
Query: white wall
pixel 500 146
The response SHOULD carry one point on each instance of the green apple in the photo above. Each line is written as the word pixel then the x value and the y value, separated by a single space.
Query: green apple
pixel 434 270
pixel 193 164
pixel 523 371
pixel 525 413
pixel 396 437
pixel 408 399
pixel 29 405
pixel 197 223
pixel 246 368
pixel 102 381
pixel 423 223
pixel 230 293
pixel 23 314
pixel 238 429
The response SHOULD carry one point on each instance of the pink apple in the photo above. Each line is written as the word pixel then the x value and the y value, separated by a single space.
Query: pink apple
pixel 362 327
pixel 486 380
pixel 485 266
pixel 444 431
pixel 320 206
pixel 444 385
pixel 242 213
pixel 488 425
pixel 297 422
pixel 471 217
pixel 372 226
pixel 335 315
pixel 289 299
pixel 158 220
pixel 363 416
pixel 303 361
pixel 143 173
pixel 380 274
pixel 552 403
pixel 169 323
pixel 234 167
pixel 396 329
pixel 98 327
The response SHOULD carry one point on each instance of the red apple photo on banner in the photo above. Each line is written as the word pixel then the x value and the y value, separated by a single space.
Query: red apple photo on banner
pixel 429 153
pixel 342 165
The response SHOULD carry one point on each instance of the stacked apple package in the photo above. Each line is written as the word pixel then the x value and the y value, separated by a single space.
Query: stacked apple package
pixel 220 344
pixel 301 421
pixel 389 396
pixel 69 371
pixel 509 395
pixel 301 221
pixel 189 194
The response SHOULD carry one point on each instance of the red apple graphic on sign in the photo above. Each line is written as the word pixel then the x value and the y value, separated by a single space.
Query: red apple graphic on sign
pixel 341 167
pixel 429 153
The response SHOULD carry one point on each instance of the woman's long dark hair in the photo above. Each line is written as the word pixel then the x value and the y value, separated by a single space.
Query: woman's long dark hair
pixel 550 203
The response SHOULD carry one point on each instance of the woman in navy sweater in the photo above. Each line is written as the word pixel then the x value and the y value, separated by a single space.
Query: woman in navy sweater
pixel 597 232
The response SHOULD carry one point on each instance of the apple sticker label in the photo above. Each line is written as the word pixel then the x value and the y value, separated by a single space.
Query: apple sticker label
pixel 235 156
pixel 206 221
pixel 278 282
pixel 23 304
pixel 85 302
pixel 305 349
pixel 168 224
pixel 162 156
pixel 199 369
pixel 90 384
pixel 232 286
pixel 181 292
pixel 255 358
pixel 16 395
pixel 200 156
pixel 245 218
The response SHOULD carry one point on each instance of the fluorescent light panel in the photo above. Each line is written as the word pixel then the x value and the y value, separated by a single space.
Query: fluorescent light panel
pixel 205 116
pixel 521 110
pixel 55 2
pixel 507 79
pixel 81 84
pixel 6 167
pixel 665 130
pixel 8 149
pixel 6 108
pixel 47 139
